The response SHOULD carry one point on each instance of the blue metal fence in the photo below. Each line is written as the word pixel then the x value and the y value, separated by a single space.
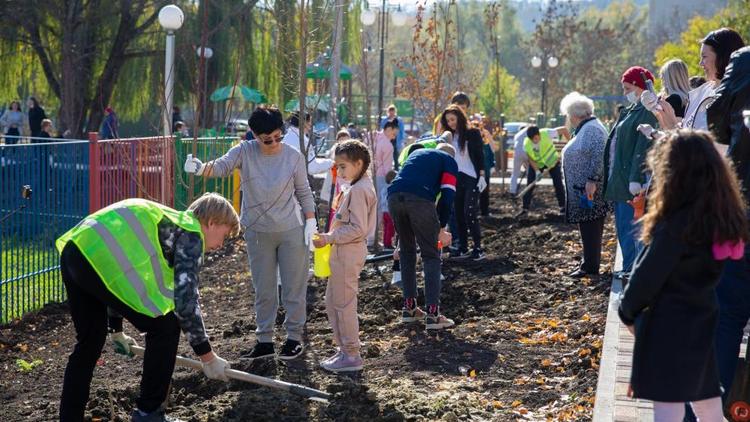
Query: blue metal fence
pixel 58 176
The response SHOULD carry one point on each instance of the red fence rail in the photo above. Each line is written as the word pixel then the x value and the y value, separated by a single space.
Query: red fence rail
pixel 130 168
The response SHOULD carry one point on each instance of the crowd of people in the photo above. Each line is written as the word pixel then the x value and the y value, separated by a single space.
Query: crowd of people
pixel 34 124
pixel 673 169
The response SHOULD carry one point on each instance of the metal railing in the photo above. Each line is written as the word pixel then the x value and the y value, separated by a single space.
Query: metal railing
pixel 70 179
pixel 57 173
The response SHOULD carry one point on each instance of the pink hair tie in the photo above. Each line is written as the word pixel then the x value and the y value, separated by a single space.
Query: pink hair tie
pixel 725 250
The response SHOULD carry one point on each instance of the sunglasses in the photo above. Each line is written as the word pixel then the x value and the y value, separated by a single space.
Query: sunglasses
pixel 268 140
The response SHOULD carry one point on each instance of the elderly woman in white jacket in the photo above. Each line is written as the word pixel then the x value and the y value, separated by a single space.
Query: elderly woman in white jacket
pixel 583 163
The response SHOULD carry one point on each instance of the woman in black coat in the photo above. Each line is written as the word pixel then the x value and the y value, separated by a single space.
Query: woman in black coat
pixel 695 221
pixel 471 182
pixel 36 115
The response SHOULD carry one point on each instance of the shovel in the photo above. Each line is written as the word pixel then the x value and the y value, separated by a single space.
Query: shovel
pixel 297 389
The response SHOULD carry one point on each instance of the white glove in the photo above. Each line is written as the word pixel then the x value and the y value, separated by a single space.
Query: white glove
pixel 650 101
pixel 193 165
pixel 215 368
pixel 122 343
pixel 635 188
pixel 481 184
pixel 447 137
pixel 646 130
pixel 311 227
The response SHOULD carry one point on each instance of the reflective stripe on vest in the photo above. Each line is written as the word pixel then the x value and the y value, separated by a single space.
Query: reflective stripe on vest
pixel 125 268
pixel 137 228
pixel 547 155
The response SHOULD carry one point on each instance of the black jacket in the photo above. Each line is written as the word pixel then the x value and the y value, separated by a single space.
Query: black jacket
pixel 36 115
pixel 725 115
pixel 672 301
pixel 475 144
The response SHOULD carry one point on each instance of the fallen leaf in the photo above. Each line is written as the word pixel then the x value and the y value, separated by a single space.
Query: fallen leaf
pixel 516 403
pixel 546 362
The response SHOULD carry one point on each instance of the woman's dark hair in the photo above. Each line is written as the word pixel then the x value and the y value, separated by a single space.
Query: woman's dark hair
pixel 34 101
pixel 354 150
pixel 294 118
pixel 18 105
pixel 461 98
pixel 724 41
pixel 696 81
pixel 391 124
pixel 688 172
pixel 265 119
pixel 463 124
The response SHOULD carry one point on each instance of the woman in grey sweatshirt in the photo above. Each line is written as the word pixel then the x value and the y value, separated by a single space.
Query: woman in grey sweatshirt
pixel 11 123
pixel 275 197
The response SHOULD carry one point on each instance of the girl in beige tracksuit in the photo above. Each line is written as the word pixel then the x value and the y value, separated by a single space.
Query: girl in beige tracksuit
pixel 356 211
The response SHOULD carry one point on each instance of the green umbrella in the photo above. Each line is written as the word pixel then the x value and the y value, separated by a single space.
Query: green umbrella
pixel 316 71
pixel 311 100
pixel 238 91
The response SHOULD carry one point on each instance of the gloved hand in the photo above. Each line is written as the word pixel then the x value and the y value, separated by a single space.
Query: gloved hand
pixel 194 165
pixel 539 175
pixel 311 227
pixel 650 101
pixel 635 188
pixel 646 129
pixel 481 184
pixel 447 137
pixel 122 343
pixel 215 367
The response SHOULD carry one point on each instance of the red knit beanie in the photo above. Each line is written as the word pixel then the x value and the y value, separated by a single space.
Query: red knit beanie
pixel 633 76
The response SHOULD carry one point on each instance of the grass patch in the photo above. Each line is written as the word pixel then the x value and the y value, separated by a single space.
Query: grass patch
pixel 29 278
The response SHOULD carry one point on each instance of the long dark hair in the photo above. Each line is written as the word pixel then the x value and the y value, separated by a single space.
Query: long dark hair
pixel 690 173
pixel 461 127
pixel 724 41
pixel 354 150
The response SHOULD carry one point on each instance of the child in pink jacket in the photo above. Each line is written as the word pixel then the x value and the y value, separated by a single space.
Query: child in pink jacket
pixel 356 211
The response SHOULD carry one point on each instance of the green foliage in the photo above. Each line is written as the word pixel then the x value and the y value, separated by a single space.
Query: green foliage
pixel 498 92
pixel 25 366
pixel 688 48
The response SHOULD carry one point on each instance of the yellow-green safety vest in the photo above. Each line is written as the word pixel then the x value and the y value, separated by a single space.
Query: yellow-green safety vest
pixel 546 156
pixel 121 242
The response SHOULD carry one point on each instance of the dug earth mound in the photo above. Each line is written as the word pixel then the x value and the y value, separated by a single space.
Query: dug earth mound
pixel 527 342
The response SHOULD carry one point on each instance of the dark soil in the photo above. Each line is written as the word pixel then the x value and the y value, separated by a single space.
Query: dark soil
pixel 526 345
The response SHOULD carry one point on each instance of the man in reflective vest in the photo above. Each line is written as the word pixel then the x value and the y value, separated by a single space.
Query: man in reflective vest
pixel 542 155
pixel 139 260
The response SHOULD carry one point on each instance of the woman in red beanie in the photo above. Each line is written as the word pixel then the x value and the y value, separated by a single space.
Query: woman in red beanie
pixel 624 159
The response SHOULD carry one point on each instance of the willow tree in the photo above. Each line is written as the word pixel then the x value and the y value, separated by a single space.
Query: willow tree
pixel 82 47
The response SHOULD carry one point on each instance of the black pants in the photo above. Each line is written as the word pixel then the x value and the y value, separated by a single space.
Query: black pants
pixel 484 197
pixel 467 196
pixel 395 154
pixel 556 175
pixel 12 136
pixel 591 238
pixel 89 298
pixel 417 224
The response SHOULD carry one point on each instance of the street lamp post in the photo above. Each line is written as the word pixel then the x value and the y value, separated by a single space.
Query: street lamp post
pixel 171 19
pixel 368 18
pixel 551 63
pixel 205 53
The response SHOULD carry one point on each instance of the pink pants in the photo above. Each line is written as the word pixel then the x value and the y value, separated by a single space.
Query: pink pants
pixel 388 230
pixel 341 294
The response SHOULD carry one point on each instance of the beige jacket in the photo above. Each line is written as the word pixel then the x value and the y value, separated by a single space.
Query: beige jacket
pixel 356 213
